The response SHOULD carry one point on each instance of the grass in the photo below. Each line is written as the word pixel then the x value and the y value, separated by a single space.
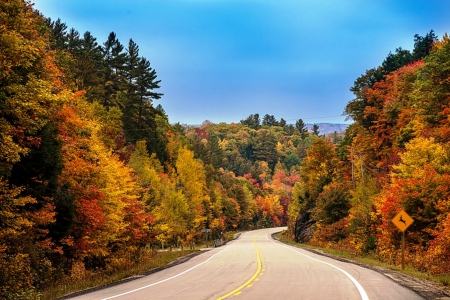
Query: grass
pixel 161 259
pixel 442 281
pixel 231 235
pixel 153 261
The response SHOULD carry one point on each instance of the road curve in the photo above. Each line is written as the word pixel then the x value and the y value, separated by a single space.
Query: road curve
pixel 257 267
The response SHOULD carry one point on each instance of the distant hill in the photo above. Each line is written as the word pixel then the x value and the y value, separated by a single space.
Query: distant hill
pixel 325 128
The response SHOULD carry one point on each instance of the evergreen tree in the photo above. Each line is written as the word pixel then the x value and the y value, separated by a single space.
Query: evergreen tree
pixel 395 61
pixel 58 32
pixel 315 129
pixel 355 108
pixel 131 67
pixel 301 127
pixel 265 148
pixel 90 61
pixel 114 60
pixel 139 113
pixel 73 41
pixel 269 120
pixel 252 121
pixel 146 83
pixel 423 45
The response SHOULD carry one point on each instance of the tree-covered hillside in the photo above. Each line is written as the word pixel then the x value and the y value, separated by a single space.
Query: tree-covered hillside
pixel 395 156
pixel 91 171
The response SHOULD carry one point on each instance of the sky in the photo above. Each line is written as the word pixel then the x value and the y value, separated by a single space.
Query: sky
pixel 223 60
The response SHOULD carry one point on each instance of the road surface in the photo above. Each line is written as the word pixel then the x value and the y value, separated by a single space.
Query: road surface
pixel 257 267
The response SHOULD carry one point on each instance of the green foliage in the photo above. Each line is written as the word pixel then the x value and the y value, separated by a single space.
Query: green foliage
pixel 333 203
pixel 269 120
pixel 433 88
pixel 252 121
pixel 315 129
pixel 301 127
pixel 92 173
pixel 355 108
pixel 292 160
pixel 264 148
pixel 318 169
pixel 423 45
pixel 395 61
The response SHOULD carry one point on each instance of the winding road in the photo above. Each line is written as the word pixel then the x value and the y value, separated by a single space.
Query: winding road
pixel 255 266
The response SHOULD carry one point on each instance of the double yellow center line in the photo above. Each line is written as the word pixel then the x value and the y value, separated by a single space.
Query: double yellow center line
pixel 247 283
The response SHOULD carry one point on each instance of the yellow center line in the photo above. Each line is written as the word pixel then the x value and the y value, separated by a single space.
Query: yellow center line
pixel 237 291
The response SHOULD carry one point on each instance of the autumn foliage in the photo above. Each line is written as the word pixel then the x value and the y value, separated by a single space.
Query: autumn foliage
pixel 394 157
pixel 93 176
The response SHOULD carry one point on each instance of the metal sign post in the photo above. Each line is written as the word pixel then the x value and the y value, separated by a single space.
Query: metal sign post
pixel 402 220
pixel 206 231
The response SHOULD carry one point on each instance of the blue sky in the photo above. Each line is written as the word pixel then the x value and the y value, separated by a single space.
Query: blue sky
pixel 222 60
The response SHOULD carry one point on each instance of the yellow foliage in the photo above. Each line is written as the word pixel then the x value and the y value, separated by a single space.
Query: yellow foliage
pixel 420 152
pixel 439 44
pixel 192 179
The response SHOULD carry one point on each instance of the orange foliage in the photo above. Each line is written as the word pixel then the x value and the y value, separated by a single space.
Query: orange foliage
pixel 422 199
pixel 389 109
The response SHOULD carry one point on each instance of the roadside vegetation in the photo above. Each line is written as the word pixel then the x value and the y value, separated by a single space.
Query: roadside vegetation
pixel 81 280
pixel 394 158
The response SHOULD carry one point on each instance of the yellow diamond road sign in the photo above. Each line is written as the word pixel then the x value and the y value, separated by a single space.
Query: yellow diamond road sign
pixel 402 220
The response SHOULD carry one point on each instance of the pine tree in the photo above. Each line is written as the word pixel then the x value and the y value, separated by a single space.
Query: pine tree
pixel 114 60
pixel 301 127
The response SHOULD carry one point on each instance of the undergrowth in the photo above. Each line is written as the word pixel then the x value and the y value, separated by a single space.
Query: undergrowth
pixel 95 279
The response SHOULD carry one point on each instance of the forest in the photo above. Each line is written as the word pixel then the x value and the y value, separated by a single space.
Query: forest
pixel 93 175
pixel 395 156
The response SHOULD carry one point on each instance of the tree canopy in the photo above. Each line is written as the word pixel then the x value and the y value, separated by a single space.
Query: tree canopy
pixel 92 174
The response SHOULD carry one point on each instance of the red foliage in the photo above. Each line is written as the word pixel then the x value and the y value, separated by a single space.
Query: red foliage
pixel 202 133
pixel 139 222
pixel 250 178
pixel 388 107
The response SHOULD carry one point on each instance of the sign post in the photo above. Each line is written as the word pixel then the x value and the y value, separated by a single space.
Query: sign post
pixel 402 220
pixel 206 231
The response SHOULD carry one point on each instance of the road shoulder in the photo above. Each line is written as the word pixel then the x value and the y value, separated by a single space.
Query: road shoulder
pixel 425 289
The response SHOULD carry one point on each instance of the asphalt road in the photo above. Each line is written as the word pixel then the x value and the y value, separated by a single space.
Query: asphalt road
pixel 257 267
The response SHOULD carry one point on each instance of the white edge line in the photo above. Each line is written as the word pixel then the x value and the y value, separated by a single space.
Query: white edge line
pixel 164 280
pixel 361 290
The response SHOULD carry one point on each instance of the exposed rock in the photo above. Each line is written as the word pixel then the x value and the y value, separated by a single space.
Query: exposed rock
pixel 304 227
